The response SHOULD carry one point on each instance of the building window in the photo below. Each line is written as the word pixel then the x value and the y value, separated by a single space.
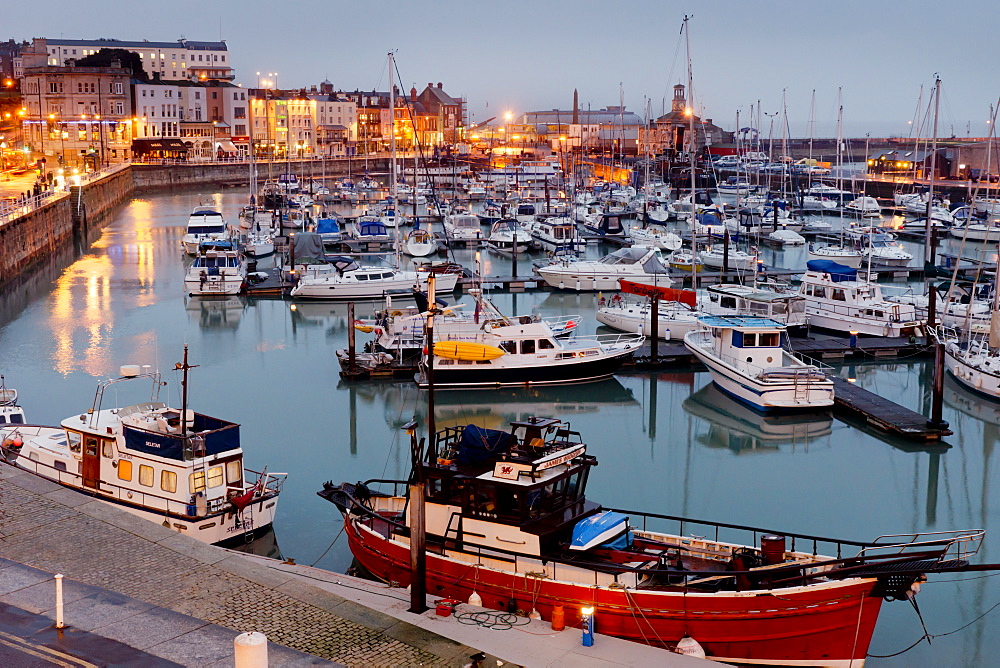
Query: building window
pixel 215 95
pixel 124 470
pixel 145 475
pixel 168 481
pixel 215 476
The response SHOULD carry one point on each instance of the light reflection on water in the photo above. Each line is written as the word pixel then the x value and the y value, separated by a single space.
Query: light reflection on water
pixel 666 441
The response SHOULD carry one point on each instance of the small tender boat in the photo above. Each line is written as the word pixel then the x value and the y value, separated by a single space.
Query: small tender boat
pixel 748 361
pixel 172 466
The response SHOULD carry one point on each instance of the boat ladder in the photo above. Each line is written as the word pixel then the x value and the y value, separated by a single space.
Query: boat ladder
pixel 801 385
pixel 456 539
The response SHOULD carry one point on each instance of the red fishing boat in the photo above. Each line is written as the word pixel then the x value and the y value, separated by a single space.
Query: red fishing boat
pixel 507 519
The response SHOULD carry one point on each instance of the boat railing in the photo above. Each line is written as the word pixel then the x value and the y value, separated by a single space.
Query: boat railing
pixel 604 340
pixel 737 533
pixel 956 544
pixel 273 482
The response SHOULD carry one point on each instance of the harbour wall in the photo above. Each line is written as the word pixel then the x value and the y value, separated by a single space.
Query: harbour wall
pixel 150 177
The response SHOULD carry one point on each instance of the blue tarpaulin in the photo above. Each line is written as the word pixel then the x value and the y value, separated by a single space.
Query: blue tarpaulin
pixel 479 445
pixel 838 272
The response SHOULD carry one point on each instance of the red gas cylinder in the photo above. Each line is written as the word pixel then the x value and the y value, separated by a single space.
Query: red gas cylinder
pixel 558 618
pixel 773 548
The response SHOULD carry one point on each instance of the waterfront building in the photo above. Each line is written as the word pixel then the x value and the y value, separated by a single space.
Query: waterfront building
pixel 612 129
pixel 77 115
pixel 183 59
pixel 442 117
pixel 670 133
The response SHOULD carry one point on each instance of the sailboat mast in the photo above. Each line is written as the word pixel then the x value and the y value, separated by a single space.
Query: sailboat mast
pixel 392 127
pixel 928 250
pixel 691 154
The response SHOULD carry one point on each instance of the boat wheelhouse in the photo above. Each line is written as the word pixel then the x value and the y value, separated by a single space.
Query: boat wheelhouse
pixel 557 233
pixel 172 466
pixel 788 308
pixel 836 299
pixel 507 518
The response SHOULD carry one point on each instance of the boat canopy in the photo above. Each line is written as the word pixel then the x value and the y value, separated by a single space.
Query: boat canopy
pixel 634 255
pixel 745 321
pixel 327 226
pixel 212 436
pixel 344 263
pixel 479 444
pixel 838 272
pixel 372 228
pixel 307 245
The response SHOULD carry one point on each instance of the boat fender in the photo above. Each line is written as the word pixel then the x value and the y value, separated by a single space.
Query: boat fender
pixel 688 646
pixel 13 443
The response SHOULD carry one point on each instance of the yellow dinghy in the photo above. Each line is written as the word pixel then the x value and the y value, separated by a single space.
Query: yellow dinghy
pixel 467 351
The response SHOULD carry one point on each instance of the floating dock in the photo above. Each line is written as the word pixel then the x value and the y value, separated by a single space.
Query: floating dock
pixel 883 414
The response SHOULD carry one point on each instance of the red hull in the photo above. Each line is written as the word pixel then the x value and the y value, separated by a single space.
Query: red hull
pixel 817 625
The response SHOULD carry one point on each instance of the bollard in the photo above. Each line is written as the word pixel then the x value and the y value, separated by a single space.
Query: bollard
pixel 250 650
pixel 59 602
pixel 853 341
pixel 587 624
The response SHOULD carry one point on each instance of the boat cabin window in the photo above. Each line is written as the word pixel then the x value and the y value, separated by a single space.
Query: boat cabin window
pixel 145 475
pixel 769 339
pixel 234 472
pixel 493 502
pixel 874 312
pixel 215 476
pixel 125 470
pixel 838 295
pixel 168 481
pixel 75 440
pixel 728 302
pixel 528 347
pixel 196 481
pixel 797 306
pixel 546 344
pixel 757 339
pixel 107 450
pixel 92 447
pixel 509 346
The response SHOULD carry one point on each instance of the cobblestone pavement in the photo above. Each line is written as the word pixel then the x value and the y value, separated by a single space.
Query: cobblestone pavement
pixel 63 531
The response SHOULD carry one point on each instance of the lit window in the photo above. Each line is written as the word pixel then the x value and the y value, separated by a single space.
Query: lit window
pixel 145 475
pixel 197 481
pixel 108 450
pixel 234 472
pixel 124 470
pixel 168 481
pixel 215 476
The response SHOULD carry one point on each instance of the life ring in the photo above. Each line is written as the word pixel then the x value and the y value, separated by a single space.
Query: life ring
pixel 396 314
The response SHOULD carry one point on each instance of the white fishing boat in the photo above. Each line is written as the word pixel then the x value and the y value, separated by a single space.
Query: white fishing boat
pixel 636 263
pixel 747 360
pixel 714 257
pixel 788 308
pixel 419 243
pixel 508 235
pixel 837 299
pixel 206 223
pixel 557 233
pixel 172 466
pixel 350 280
pixel 218 269
pixel 674 319
pixel 10 411
pixel 462 228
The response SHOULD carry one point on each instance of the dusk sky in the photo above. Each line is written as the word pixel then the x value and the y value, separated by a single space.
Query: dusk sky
pixel 521 56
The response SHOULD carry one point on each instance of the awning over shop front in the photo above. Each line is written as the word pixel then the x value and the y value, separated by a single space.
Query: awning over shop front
pixel 149 145
pixel 227 146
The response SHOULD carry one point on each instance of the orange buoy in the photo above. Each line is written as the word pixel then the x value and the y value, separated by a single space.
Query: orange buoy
pixel 558 618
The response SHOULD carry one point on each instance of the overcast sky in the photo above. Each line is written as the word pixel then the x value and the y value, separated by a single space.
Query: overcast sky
pixel 518 55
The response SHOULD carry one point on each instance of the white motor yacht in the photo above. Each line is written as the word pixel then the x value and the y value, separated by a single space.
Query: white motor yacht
pixel 640 264
pixel 748 361
pixel 508 236
pixel 850 257
pixel 788 308
pixel 655 235
pixel 462 227
pixel 714 257
pixel 557 233
pixel 674 319
pixel 205 223
pixel 350 280
pixel 219 269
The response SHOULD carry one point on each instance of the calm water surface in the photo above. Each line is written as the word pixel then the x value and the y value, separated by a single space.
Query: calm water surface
pixel 667 442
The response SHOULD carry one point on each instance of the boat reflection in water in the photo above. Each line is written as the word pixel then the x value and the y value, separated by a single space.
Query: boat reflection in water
pixel 496 408
pixel 263 543
pixel 736 427
pixel 222 312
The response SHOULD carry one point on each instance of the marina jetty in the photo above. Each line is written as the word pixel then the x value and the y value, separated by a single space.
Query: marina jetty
pixel 138 593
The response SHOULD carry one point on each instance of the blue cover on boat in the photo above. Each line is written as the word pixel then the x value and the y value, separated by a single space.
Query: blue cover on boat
pixel 479 445
pixel 837 271
pixel 607 529
pixel 327 226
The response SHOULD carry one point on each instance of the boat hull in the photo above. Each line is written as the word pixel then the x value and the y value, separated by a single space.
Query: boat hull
pixel 828 625
pixel 214 285
pixel 971 378
pixel 550 372
pixel 642 323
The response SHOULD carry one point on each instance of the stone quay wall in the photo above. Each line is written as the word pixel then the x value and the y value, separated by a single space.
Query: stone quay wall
pixel 183 175
pixel 30 238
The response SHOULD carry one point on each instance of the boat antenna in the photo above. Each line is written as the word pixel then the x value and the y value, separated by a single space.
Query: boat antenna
pixel 184 366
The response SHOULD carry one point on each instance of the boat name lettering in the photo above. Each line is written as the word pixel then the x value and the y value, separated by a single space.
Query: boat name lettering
pixel 559 458
pixel 152 444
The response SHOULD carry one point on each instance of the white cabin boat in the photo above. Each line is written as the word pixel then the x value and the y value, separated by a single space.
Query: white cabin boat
pixel 844 255
pixel 788 308
pixel 747 360
pixel 171 466
pixel 674 320
pixel 974 365
pixel 350 280
pixel 836 299
pixel 206 223
pixel 640 264
pixel 864 206
pixel 10 411
pixel 462 227
pixel 557 233
pixel 508 235
pixel 218 269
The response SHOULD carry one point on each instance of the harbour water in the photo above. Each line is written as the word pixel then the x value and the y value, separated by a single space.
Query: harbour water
pixel 667 441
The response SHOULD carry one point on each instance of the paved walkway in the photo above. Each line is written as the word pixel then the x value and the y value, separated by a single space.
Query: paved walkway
pixel 155 573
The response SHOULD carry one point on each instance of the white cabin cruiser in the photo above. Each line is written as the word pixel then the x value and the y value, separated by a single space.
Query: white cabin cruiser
pixel 640 264
pixel 205 223
pixel 219 269
pixel 674 319
pixel 557 233
pixel 747 360
pixel 655 235
pixel 171 466
pixel 350 280
pixel 508 236
pixel 849 257
pixel 836 299
pixel 714 257
pixel 462 227
pixel 864 206
pixel 788 308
